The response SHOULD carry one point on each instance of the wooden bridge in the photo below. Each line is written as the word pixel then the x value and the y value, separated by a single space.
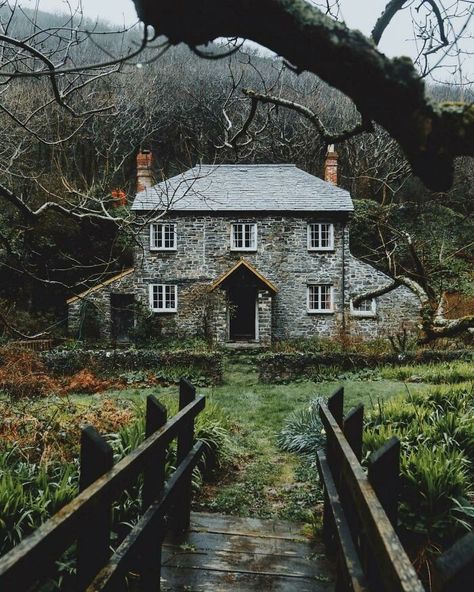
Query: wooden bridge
pixel 172 549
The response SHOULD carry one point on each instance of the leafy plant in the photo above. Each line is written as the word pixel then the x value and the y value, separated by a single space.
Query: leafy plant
pixel 303 432
pixel 432 479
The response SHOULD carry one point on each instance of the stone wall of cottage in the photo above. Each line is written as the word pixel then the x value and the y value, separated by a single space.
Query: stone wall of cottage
pixel 203 254
pixel 100 299
pixel 395 310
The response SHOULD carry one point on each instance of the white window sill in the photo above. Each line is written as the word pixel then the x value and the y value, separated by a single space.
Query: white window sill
pixel 164 310
pixel 321 250
pixel 167 249
pixel 363 315
pixel 320 311
pixel 236 249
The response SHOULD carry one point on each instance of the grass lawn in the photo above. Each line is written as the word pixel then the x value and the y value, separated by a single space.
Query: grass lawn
pixel 268 482
pixel 265 481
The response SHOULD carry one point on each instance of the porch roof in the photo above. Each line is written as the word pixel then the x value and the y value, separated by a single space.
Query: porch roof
pixel 114 278
pixel 246 264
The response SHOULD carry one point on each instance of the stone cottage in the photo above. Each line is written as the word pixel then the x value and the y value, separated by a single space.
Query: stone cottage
pixel 245 253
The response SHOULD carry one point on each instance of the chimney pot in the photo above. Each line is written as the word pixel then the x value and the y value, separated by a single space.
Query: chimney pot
pixel 330 165
pixel 144 173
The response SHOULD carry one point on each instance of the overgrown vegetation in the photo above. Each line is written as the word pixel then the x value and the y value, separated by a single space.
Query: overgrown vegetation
pixel 436 431
pixel 324 364
pixel 39 446
pixel 443 372
pixel 435 425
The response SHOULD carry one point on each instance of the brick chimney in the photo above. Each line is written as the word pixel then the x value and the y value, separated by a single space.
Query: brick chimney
pixel 144 174
pixel 330 165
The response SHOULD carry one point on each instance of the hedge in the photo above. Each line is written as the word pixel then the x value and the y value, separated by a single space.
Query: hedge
pixel 210 364
pixel 284 367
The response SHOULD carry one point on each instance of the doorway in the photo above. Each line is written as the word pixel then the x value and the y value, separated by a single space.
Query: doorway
pixel 122 308
pixel 242 315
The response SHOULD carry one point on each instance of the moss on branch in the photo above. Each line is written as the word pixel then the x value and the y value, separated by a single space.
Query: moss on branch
pixel 388 91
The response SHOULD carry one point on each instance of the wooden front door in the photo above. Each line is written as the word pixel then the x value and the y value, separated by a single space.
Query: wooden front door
pixel 242 313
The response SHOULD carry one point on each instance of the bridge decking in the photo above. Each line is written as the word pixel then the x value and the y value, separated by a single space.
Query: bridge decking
pixel 226 553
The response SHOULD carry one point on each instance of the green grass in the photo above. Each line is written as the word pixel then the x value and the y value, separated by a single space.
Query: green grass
pixel 263 481
pixel 440 373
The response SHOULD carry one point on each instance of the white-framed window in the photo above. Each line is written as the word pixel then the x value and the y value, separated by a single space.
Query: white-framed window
pixel 366 308
pixel 320 298
pixel 162 237
pixel 243 237
pixel 320 236
pixel 163 297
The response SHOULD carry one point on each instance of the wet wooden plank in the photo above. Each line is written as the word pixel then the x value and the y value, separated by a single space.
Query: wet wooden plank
pixel 218 523
pixel 232 554
pixel 192 580
pixel 350 573
pixel 234 561
pixel 250 544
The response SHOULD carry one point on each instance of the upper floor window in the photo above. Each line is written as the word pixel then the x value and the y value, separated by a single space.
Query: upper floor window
pixel 162 237
pixel 366 308
pixel 243 237
pixel 320 236
pixel 164 297
pixel 320 298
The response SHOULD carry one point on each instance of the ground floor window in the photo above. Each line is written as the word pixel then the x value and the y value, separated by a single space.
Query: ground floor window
pixel 320 298
pixel 163 297
pixel 365 308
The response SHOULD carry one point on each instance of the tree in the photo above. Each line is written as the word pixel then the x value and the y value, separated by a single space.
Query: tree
pixel 426 247
pixel 387 91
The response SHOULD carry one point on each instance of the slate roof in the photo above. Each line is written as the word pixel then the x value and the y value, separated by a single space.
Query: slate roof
pixel 238 188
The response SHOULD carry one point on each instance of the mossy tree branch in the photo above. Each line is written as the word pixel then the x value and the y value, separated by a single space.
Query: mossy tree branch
pixel 388 91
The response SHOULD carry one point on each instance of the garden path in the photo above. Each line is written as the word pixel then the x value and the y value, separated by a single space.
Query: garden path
pixel 230 554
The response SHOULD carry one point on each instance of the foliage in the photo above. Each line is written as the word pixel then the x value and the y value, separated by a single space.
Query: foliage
pixel 436 431
pixel 302 431
pixel 293 365
pixel 441 373
pixel 23 374
pixel 30 493
pixel 172 364
pixel 48 430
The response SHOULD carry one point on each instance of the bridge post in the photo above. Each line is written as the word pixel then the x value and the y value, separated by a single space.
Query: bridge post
pixel 383 472
pixel 353 427
pixel 153 482
pixel 182 508
pixel 93 543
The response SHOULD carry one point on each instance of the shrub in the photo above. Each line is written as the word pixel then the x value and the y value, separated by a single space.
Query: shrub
pixel 432 479
pixel 176 363
pixel 302 431
pixel 23 374
pixel 436 432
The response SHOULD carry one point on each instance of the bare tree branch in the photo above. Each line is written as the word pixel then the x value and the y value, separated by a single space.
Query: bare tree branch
pixel 327 136
pixel 388 91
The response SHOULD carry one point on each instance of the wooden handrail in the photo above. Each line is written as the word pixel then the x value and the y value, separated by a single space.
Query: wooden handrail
pixel 361 514
pixel 396 569
pixel 117 567
pixel 50 540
